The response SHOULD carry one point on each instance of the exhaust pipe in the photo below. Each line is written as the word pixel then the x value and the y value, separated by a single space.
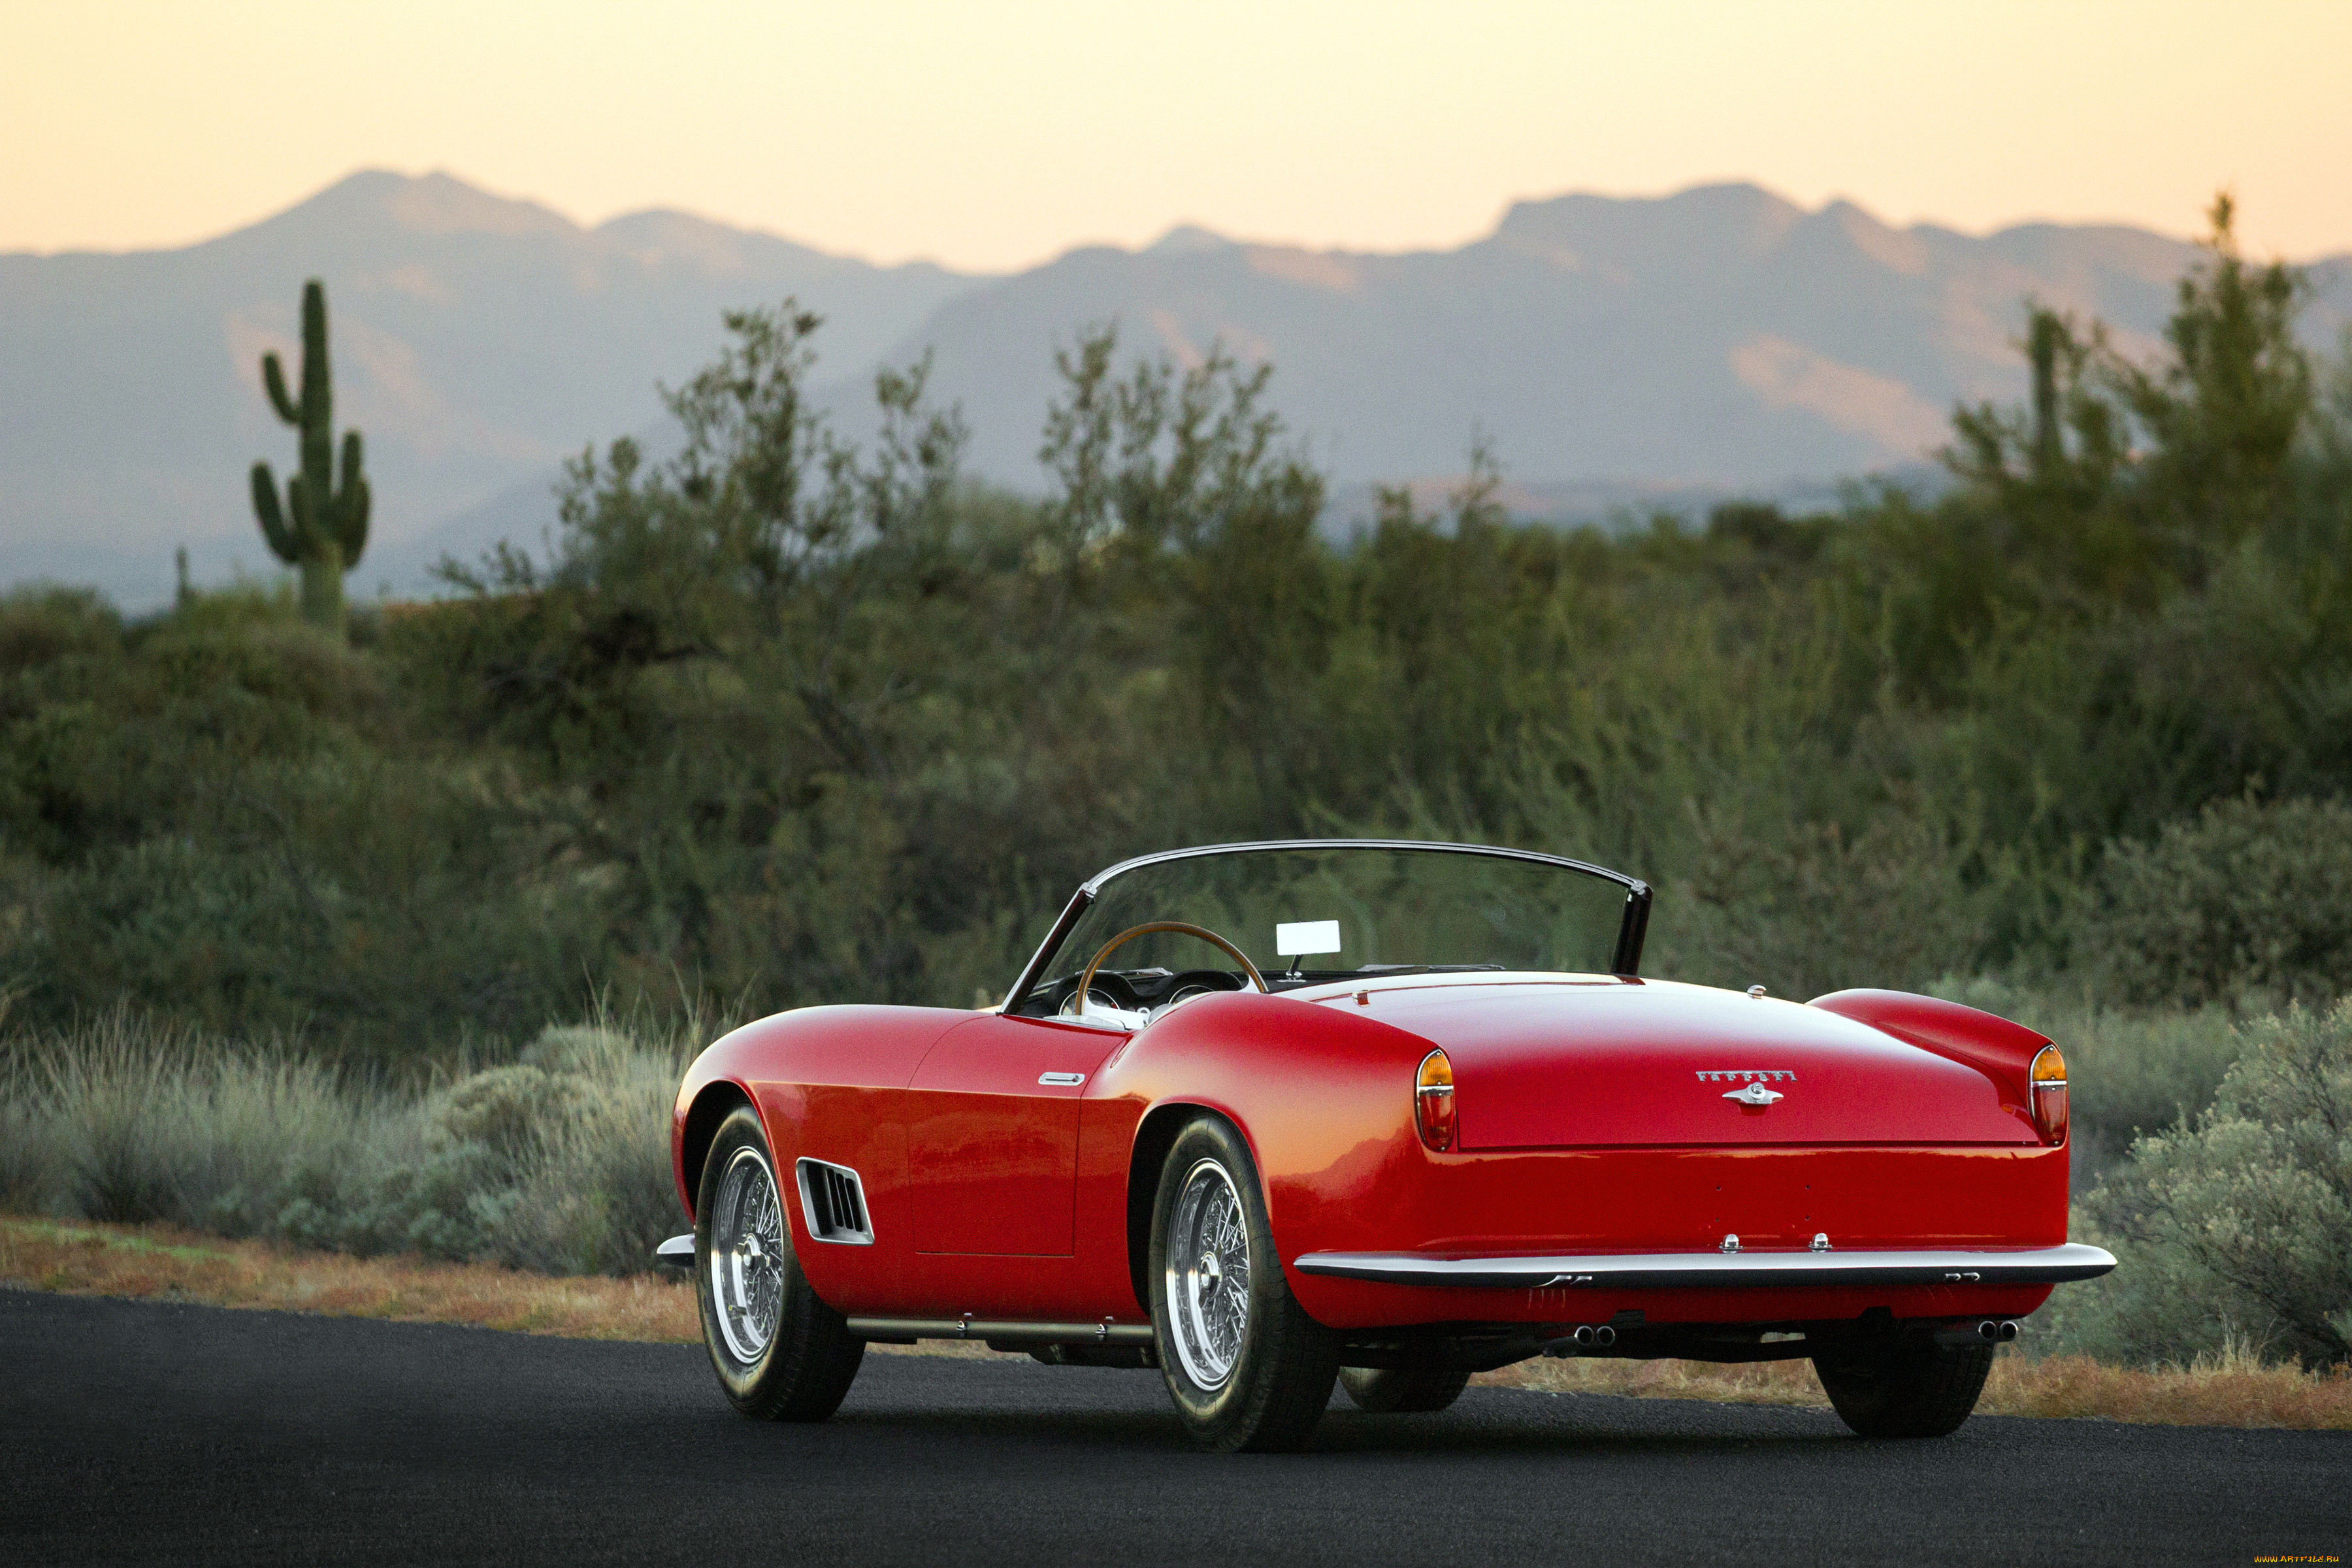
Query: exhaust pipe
pixel 1997 1332
pixel 1583 1337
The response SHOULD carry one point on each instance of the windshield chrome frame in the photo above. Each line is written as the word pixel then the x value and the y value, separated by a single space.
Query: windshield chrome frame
pixel 1631 931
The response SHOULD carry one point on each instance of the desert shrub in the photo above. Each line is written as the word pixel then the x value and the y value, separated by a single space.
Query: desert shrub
pixel 559 1160
pixel 26 1178
pixel 2244 897
pixel 2130 1070
pixel 596 1195
pixel 509 1113
pixel 2239 1219
pixel 137 1121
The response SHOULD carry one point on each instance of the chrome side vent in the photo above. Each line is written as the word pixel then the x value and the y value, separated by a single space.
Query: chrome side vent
pixel 834 1201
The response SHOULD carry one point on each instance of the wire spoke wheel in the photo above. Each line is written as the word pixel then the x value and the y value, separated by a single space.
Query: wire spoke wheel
pixel 747 1256
pixel 781 1353
pixel 1208 1274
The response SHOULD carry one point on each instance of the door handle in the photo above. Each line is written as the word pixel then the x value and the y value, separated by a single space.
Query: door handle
pixel 1061 1077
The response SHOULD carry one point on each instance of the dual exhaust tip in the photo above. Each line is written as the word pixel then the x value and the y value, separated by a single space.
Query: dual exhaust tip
pixel 1601 1337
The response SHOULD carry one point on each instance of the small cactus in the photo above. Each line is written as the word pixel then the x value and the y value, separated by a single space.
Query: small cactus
pixel 322 528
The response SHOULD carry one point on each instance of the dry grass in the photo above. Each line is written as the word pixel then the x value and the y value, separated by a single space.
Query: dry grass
pixel 1757 1383
pixel 155 1261
pixel 2232 1390
pixel 158 1262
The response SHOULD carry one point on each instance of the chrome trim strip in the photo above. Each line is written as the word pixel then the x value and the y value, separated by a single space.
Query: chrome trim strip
pixel 977 1329
pixel 844 1237
pixel 1718 1271
pixel 1062 1079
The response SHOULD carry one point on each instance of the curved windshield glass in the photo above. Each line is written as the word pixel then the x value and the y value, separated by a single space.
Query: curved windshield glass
pixel 1311 913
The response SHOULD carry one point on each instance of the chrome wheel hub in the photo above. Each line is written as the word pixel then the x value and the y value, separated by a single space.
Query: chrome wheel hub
pixel 747 1256
pixel 1209 1293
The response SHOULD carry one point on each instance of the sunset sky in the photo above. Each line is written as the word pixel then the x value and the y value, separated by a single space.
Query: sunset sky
pixel 993 135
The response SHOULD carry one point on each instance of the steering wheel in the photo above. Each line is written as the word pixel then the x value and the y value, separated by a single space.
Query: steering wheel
pixel 1109 988
pixel 1086 981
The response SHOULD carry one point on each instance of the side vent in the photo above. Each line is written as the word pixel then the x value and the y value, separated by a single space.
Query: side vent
pixel 834 1200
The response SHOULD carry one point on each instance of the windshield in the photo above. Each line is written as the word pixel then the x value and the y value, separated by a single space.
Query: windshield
pixel 1307 913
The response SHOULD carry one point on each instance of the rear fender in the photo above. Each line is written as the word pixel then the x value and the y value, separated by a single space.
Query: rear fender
pixel 2001 1050
pixel 1323 1092
pixel 1328 1156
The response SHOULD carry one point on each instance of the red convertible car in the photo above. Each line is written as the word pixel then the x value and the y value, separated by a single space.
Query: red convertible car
pixel 1269 1116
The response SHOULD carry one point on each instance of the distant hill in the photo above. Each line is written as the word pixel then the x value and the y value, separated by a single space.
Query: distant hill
pixel 1720 337
pixel 477 340
pixel 1718 341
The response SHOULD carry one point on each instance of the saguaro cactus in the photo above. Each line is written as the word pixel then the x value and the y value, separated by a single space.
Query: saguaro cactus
pixel 323 526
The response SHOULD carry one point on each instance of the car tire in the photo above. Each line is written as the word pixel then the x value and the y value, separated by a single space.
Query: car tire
pixel 1249 1371
pixel 1905 1390
pixel 1402 1390
pixel 781 1353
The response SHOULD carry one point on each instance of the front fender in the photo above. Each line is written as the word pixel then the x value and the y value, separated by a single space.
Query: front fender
pixel 768 1062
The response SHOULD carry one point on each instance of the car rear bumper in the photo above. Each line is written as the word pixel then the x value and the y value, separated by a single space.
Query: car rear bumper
pixel 1719 1270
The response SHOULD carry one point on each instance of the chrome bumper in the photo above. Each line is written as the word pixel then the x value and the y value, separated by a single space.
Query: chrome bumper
pixel 677 1251
pixel 1717 1270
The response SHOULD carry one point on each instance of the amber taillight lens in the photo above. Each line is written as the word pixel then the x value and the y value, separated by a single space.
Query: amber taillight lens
pixel 1432 1101
pixel 2050 1094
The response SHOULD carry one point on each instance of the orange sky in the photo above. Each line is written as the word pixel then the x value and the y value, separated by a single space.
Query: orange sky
pixel 994 134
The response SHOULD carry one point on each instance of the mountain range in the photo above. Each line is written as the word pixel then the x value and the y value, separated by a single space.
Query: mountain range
pixel 1718 341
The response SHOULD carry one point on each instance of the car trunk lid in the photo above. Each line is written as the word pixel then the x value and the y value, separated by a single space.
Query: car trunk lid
pixel 1611 1063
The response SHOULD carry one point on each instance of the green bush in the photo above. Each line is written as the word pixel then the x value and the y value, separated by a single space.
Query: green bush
pixel 2246 897
pixel 784 721
pixel 2130 1070
pixel 1815 909
pixel 2238 1222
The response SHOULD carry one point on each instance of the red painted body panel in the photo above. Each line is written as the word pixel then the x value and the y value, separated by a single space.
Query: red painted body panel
pixel 1620 1064
pixel 1892 1143
pixel 827 1082
pixel 1993 1046
pixel 993 1151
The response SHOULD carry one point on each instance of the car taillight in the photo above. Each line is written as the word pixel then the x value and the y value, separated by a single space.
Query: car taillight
pixel 2050 1094
pixel 1432 1101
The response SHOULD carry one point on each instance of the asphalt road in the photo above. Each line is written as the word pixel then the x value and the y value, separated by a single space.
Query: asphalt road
pixel 135 1432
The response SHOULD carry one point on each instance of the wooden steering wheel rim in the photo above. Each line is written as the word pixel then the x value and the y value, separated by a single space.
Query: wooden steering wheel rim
pixel 1086 981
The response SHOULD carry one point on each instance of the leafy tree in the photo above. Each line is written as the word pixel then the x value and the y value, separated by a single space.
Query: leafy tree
pixel 2223 415
pixel 1179 479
